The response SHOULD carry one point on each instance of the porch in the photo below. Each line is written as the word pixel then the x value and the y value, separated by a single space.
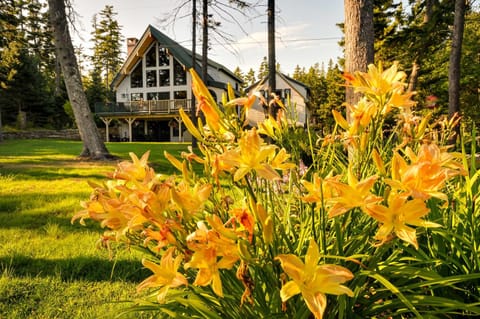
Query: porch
pixel 142 107
pixel 157 119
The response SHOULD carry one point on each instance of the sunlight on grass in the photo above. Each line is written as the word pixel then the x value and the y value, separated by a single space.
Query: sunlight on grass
pixel 50 268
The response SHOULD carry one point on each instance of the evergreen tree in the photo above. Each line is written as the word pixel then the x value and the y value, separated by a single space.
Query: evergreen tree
pixel 250 78
pixel 263 69
pixel 107 45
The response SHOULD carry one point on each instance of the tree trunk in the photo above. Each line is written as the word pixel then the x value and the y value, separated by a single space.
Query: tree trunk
pixel 359 38
pixel 271 55
pixel 193 115
pixel 455 56
pixel 205 41
pixel 93 146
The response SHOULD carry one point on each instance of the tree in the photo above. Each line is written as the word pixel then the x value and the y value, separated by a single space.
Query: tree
pixel 107 46
pixel 359 39
pixel 455 58
pixel 93 146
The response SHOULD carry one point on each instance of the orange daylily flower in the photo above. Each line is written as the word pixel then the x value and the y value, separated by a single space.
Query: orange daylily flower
pixel 427 172
pixel 205 102
pixel 136 170
pixel 212 251
pixel 319 190
pixel 312 280
pixel 395 217
pixel 164 275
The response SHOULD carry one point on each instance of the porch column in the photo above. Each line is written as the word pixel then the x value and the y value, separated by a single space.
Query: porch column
pixel 107 122
pixel 179 121
pixel 145 128
pixel 130 121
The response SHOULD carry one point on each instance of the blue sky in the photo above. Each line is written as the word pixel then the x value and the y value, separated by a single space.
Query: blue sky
pixel 306 31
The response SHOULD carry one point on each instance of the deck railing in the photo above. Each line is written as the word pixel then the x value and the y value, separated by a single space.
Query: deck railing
pixel 143 107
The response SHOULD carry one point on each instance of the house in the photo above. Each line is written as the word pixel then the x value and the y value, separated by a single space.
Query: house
pixel 287 89
pixel 152 85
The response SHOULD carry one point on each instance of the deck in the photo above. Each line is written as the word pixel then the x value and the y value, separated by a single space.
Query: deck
pixel 142 108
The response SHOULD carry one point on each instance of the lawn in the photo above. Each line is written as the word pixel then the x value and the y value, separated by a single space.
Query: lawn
pixel 50 268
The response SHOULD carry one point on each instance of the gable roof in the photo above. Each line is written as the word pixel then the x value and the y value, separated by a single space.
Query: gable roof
pixel 287 79
pixel 183 55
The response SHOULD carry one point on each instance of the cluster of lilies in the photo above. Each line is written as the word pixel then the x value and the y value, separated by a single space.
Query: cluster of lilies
pixel 199 225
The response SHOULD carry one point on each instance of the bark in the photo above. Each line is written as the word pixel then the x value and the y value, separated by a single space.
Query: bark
pixel 359 39
pixel 93 146
pixel 205 41
pixel 271 54
pixel 455 58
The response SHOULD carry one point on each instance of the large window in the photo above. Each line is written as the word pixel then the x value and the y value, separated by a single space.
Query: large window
pixel 158 96
pixel 163 58
pixel 164 77
pixel 179 74
pixel 136 78
pixel 180 95
pixel 151 57
pixel 151 78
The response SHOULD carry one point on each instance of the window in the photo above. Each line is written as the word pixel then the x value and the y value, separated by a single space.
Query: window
pixel 151 57
pixel 180 99
pixel 151 78
pixel 136 78
pixel 163 58
pixel 287 93
pixel 164 77
pixel 136 96
pixel 180 95
pixel 179 74
pixel 161 96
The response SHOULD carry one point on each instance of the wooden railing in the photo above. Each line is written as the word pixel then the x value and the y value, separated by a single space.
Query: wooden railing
pixel 143 107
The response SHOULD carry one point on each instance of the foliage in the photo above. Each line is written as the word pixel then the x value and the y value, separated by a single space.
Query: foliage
pixel 384 219
pixel 107 52
pixel 27 66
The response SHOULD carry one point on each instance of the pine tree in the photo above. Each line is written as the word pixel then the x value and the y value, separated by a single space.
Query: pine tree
pixel 107 45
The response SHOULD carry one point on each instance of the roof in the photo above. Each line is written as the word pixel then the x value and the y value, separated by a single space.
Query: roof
pixel 183 55
pixel 286 78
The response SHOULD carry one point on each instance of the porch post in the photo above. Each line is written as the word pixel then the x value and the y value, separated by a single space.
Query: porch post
pixel 107 122
pixel 130 121
pixel 179 121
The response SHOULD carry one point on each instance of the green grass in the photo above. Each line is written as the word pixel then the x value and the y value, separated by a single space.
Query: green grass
pixel 50 268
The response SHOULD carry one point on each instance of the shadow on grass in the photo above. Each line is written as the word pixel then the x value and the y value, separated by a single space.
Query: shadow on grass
pixel 75 269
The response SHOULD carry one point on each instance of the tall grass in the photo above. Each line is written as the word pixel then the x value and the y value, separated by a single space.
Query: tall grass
pixel 50 268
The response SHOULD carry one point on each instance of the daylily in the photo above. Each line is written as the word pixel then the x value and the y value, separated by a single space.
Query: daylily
pixel 427 172
pixel 312 280
pixel 191 199
pixel 395 217
pixel 386 86
pixel 318 189
pixel 136 170
pixel 354 194
pixel 205 102
pixel 212 251
pixel 251 154
pixel 164 275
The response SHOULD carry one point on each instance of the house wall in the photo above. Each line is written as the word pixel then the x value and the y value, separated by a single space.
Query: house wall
pixel 296 111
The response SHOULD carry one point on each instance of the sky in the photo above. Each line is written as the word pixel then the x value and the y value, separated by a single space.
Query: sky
pixel 306 31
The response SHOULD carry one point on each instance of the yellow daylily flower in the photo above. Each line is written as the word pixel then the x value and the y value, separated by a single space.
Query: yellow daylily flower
pixel 387 86
pixel 312 280
pixel 164 275
pixel 395 217
pixel 192 199
pixel 354 194
pixel 251 154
